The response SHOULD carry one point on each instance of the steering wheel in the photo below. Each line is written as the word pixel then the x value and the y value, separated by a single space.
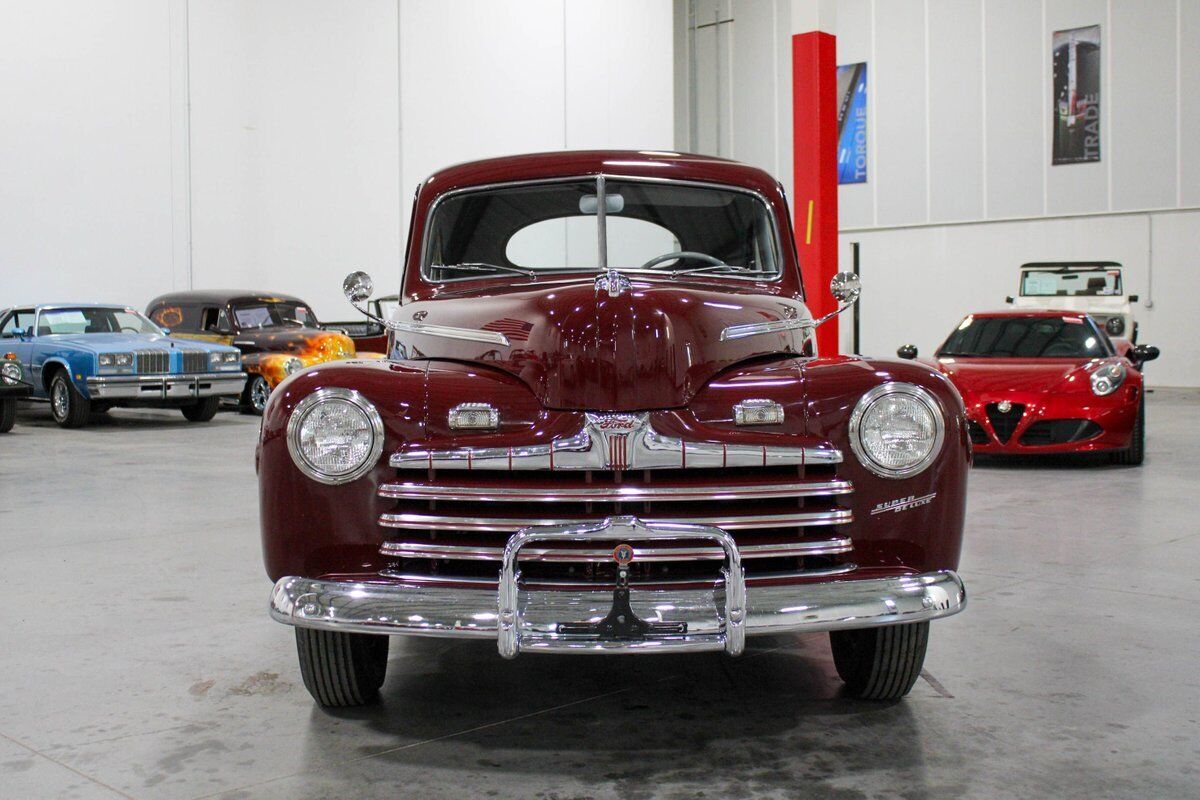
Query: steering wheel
pixel 716 262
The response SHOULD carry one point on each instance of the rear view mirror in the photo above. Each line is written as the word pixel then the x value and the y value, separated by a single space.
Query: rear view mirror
pixel 613 204
pixel 908 351
pixel 845 287
pixel 357 286
pixel 1143 353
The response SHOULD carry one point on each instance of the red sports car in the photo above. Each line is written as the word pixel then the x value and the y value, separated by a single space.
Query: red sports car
pixel 1046 381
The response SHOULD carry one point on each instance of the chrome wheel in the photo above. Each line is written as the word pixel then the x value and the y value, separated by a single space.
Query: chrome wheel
pixel 60 401
pixel 259 392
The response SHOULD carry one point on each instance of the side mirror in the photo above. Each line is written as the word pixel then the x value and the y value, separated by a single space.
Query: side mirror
pixel 908 351
pixel 20 333
pixel 166 331
pixel 357 287
pixel 1133 298
pixel 1008 299
pixel 845 287
pixel 1142 353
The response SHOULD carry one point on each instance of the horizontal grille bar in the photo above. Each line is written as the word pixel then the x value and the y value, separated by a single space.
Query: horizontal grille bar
pixel 729 522
pixel 614 493
pixel 543 583
pixel 604 555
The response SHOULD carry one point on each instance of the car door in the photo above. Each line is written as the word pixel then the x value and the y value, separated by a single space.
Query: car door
pixel 21 346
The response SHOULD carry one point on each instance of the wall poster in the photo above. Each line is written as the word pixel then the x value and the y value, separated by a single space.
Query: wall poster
pixel 852 123
pixel 1076 59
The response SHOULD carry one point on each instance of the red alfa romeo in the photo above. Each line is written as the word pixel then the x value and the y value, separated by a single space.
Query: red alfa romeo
pixel 1046 381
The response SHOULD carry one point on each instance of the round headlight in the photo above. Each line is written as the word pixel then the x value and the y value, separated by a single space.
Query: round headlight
pixel 1108 379
pixel 291 365
pixel 335 435
pixel 896 430
pixel 1115 326
pixel 11 372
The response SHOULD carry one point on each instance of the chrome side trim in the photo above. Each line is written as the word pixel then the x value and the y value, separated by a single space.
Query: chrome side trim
pixel 755 328
pixel 510 634
pixel 448 332
pixel 432 550
pixel 727 521
pixel 396 607
pixel 616 493
pixel 419 579
pixel 614 442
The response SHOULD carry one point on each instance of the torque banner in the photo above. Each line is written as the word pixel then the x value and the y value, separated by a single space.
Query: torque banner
pixel 1076 58
pixel 852 123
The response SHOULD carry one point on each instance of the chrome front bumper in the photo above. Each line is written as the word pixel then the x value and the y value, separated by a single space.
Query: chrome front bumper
pixel 165 387
pixel 714 617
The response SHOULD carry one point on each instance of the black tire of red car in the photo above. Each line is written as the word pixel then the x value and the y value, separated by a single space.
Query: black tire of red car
pixel 880 663
pixel 69 408
pixel 8 414
pixel 342 669
pixel 201 410
pixel 254 396
pixel 1135 454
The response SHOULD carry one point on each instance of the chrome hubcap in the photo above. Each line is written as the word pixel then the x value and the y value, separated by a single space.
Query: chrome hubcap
pixel 259 393
pixel 60 400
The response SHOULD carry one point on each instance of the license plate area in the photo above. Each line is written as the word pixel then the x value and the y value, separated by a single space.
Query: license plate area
pixel 621 628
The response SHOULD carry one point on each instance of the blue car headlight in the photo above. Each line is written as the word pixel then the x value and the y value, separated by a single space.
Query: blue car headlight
pixel 225 360
pixel 115 362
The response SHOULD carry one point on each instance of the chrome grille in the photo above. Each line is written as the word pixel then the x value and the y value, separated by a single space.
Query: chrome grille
pixel 195 361
pixel 153 362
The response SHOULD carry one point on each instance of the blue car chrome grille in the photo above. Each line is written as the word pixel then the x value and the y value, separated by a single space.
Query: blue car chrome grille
pixel 195 361
pixel 153 362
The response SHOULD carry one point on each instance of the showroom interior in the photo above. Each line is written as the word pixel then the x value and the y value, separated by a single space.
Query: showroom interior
pixel 211 182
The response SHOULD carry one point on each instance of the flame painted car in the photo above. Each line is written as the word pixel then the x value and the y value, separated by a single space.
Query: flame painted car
pixel 277 334
pixel 601 428
pixel 1093 287
pixel 90 357
pixel 1046 381
pixel 13 387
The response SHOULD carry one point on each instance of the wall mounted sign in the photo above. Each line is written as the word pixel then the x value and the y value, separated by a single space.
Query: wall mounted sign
pixel 852 123
pixel 1076 59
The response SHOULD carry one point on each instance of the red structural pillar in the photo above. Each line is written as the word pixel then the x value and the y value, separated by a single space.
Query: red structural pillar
pixel 814 155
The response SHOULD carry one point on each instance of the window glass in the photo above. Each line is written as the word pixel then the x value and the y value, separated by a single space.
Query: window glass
pixel 22 318
pixel 1070 283
pixel 177 317
pixel 1027 337
pixel 273 315
pixel 93 320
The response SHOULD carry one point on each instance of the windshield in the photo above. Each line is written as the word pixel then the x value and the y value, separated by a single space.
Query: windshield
pixel 93 320
pixel 273 315
pixel 1027 337
pixel 542 228
pixel 1070 283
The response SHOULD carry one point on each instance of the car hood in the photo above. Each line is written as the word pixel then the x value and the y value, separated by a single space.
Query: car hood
pixel 128 342
pixel 653 346
pixel 989 376
pixel 311 345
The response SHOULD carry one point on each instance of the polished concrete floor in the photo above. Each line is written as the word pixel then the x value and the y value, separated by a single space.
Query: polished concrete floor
pixel 137 659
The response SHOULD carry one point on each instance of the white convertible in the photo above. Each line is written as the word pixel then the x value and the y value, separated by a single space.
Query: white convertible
pixel 1094 287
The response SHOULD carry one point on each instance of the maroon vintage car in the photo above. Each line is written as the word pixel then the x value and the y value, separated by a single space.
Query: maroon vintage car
pixel 1043 381
pixel 602 428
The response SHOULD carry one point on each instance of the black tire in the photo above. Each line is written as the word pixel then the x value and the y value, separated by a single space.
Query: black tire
pixel 880 663
pixel 69 408
pixel 342 669
pixel 8 414
pixel 1135 454
pixel 254 396
pixel 201 410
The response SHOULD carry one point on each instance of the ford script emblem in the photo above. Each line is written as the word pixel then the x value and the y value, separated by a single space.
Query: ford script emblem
pixel 623 554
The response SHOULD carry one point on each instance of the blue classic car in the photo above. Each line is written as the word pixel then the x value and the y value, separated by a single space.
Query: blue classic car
pixel 85 357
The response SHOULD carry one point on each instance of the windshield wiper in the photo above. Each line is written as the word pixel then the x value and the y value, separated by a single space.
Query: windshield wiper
pixel 715 268
pixel 481 266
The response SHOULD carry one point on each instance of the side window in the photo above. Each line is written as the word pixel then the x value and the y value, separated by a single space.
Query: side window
pixel 22 318
pixel 215 320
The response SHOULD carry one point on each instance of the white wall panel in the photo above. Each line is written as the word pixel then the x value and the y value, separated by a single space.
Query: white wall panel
pixel 1171 323
pixel 856 201
pixel 1072 188
pixel 1015 107
pixel 1188 108
pixel 294 145
pixel 900 109
pixel 1143 109
pixel 86 191
pixel 955 110
pixel 755 103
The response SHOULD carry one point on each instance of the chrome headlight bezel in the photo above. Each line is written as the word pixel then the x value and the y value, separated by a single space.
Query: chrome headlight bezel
pixel 293 364
pixel 221 359
pixel 306 407
pixel 114 362
pixel 921 395
pixel 10 372
pixel 1108 378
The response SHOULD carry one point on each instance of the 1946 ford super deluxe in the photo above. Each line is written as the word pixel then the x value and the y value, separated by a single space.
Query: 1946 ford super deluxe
pixel 602 427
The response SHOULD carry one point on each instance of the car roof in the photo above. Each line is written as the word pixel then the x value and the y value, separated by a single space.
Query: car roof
pixel 1030 312
pixel 221 297
pixel 51 306
pixel 1067 266
pixel 624 163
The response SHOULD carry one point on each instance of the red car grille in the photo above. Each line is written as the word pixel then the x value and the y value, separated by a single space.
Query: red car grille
pixel 1005 422
pixel 453 524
